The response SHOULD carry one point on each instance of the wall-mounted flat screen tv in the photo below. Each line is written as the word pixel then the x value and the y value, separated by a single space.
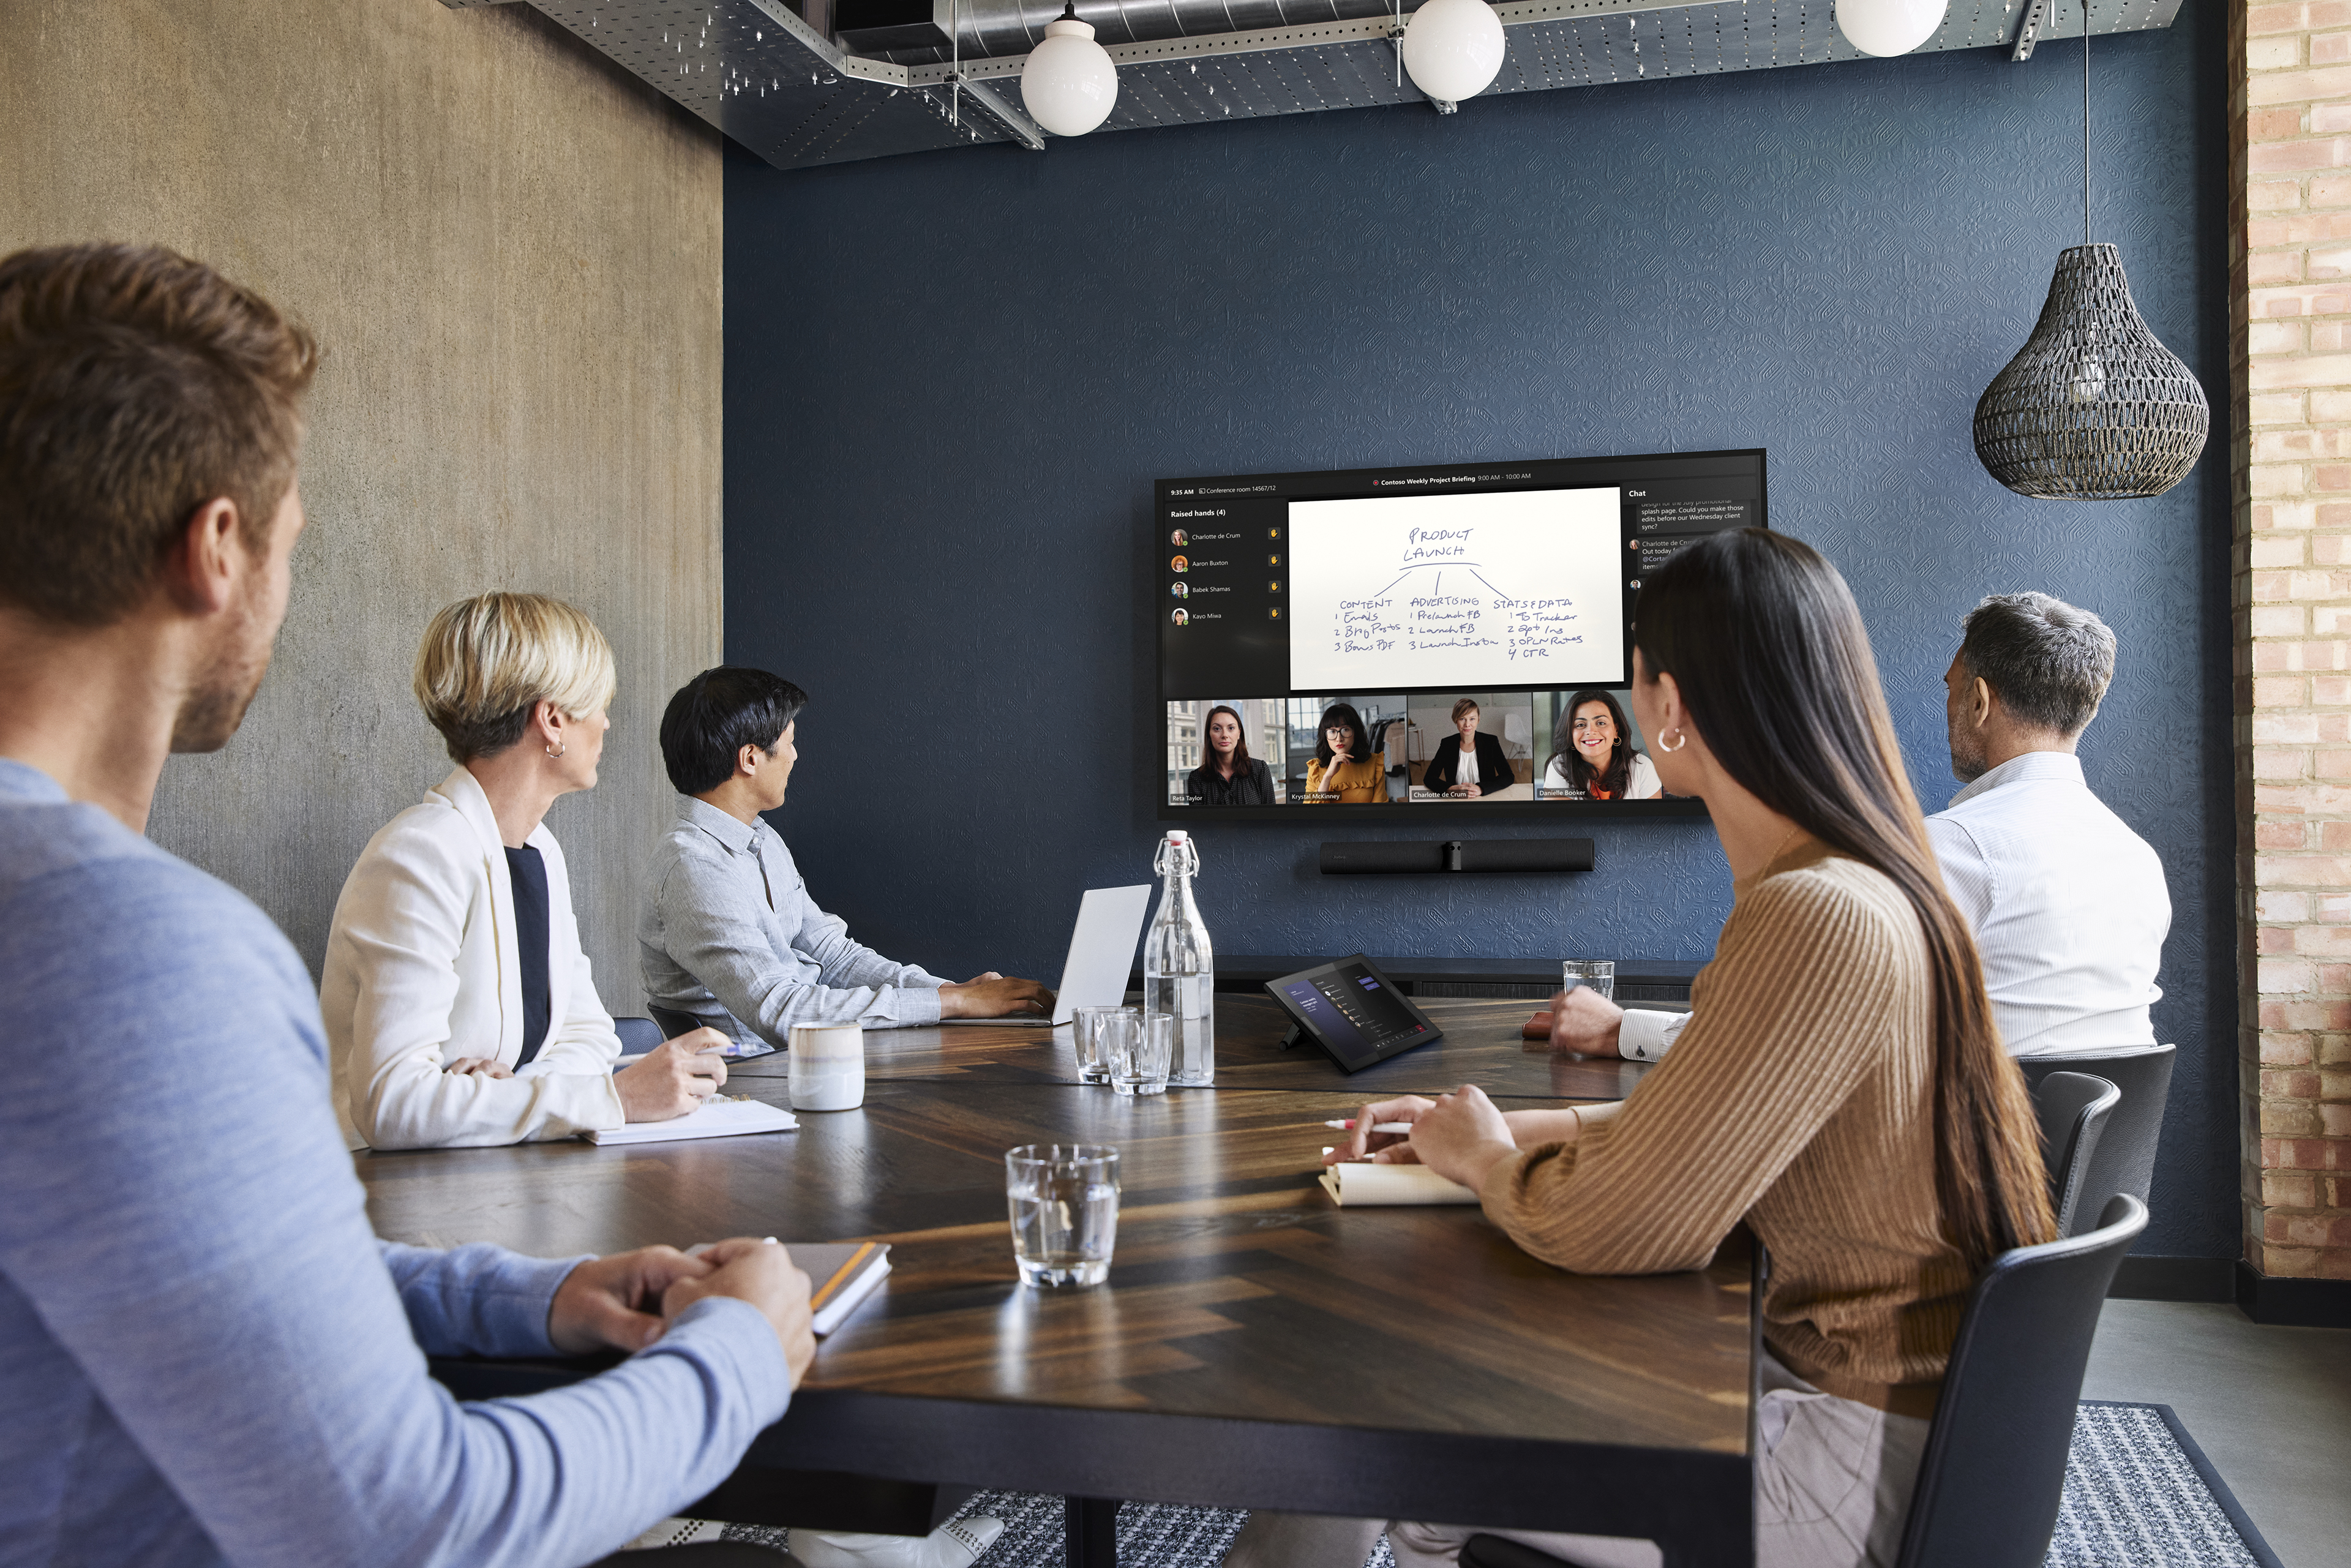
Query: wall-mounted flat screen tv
pixel 1455 639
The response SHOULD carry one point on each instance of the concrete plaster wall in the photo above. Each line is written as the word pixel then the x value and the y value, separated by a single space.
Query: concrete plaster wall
pixel 511 253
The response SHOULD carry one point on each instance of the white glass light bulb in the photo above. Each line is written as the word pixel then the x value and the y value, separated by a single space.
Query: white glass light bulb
pixel 1888 27
pixel 1069 83
pixel 1453 48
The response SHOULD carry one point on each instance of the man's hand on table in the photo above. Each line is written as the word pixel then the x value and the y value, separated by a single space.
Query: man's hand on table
pixel 761 1273
pixel 992 996
pixel 615 1303
pixel 675 1077
pixel 1585 1022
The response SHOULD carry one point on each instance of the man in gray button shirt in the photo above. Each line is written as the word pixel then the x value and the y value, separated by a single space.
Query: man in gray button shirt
pixel 730 936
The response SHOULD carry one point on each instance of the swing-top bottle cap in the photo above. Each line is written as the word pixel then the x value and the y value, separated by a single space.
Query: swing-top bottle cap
pixel 1179 836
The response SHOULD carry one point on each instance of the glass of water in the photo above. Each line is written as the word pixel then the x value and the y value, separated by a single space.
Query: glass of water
pixel 1064 1203
pixel 1596 974
pixel 1085 1029
pixel 1146 1046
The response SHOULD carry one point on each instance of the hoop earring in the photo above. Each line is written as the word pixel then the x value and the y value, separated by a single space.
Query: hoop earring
pixel 556 750
pixel 1678 745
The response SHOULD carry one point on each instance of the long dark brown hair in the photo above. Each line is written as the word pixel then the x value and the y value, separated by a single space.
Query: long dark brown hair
pixel 1763 639
pixel 1580 774
pixel 1240 746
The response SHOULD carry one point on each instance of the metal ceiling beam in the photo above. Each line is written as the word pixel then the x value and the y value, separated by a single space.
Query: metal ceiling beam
pixel 760 73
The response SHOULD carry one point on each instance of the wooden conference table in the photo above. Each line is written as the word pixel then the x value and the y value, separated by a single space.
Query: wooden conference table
pixel 1255 1346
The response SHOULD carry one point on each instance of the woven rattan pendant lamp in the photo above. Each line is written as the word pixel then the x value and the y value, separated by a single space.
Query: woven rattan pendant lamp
pixel 2094 407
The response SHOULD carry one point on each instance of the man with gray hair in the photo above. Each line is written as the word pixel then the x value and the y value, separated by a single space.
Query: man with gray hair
pixel 2068 906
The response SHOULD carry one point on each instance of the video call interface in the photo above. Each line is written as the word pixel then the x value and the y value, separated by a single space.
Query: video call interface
pixel 1351 1011
pixel 1449 636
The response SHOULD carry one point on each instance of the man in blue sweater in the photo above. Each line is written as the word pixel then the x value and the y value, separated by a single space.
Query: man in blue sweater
pixel 205 1355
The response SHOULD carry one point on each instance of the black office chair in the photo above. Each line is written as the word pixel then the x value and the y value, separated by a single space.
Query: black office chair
pixel 672 1023
pixel 2125 1158
pixel 1995 1463
pixel 638 1035
pixel 2073 1108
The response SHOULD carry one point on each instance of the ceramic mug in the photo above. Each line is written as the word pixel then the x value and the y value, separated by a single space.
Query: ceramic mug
pixel 828 1066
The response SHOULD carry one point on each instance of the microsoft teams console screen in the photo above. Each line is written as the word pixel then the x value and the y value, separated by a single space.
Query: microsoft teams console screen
pixel 1455 636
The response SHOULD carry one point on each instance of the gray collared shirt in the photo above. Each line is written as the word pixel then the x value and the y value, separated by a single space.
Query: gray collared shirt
pixel 730 935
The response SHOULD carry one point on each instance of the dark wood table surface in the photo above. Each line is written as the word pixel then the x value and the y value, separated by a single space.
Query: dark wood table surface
pixel 1482 1045
pixel 1255 1346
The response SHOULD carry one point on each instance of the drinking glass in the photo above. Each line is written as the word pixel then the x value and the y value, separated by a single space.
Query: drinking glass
pixel 1144 1054
pixel 1064 1203
pixel 1085 1029
pixel 1597 974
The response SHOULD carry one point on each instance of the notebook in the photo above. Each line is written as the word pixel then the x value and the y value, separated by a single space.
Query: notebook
pixel 841 1275
pixel 1361 1184
pixel 722 1116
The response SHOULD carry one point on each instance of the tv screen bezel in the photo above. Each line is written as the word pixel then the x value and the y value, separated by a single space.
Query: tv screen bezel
pixel 1431 813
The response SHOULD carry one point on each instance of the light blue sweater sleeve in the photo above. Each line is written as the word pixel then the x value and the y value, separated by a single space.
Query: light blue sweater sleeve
pixel 205 1354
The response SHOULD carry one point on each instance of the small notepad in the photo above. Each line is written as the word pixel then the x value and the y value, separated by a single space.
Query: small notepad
pixel 1359 1184
pixel 724 1117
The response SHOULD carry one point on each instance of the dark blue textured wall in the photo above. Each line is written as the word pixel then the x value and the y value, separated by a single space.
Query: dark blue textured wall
pixel 952 378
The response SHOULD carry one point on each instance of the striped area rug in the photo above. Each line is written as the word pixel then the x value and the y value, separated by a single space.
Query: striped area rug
pixel 2139 1494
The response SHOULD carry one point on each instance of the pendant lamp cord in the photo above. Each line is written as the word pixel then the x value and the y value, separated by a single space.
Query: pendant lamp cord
pixel 2085 122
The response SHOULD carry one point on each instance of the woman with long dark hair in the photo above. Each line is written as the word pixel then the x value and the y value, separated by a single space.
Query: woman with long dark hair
pixel 1228 774
pixel 1840 1087
pixel 1345 770
pixel 1593 755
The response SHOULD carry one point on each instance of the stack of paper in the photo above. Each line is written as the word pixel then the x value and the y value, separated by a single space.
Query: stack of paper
pixel 722 1117
pixel 1361 1184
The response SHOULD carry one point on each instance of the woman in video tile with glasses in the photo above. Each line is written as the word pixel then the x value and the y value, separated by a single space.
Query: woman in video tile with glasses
pixel 1840 1087
pixel 1592 754
pixel 1345 770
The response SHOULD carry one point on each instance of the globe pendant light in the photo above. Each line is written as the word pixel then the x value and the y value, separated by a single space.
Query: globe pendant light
pixel 2092 407
pixel 1069 83
pixel 1888 27
pixel 1453 49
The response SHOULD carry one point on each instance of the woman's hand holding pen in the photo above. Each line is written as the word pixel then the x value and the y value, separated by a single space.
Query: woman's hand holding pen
pixel 1364 1141
pixel 1462 1137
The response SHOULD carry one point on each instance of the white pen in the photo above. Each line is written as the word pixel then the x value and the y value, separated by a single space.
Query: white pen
pixel 1349 1126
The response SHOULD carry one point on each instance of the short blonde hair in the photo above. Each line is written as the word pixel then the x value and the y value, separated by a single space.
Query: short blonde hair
pixel 486 663
pixel 1467 705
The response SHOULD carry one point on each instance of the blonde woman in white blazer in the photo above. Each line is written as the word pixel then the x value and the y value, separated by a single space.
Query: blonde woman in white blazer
pixel 429 994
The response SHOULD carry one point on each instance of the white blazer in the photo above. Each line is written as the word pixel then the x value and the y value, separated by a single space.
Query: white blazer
pixel 422 969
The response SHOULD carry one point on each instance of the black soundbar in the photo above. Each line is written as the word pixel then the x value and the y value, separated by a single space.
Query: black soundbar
pixel 1367 858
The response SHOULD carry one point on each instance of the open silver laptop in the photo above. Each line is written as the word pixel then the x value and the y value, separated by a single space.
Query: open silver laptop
pixel 1102 954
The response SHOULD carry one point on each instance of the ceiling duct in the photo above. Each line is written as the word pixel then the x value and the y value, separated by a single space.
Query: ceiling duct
pixel 798 88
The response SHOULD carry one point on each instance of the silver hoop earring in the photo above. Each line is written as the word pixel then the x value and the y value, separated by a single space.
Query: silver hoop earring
pixel 557 750
pixel 1678 745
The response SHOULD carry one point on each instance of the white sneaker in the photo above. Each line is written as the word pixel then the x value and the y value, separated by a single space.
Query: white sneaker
pixel 956 1544
pixel 677 1532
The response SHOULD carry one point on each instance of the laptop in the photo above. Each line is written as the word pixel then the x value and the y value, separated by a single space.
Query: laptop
pixel 1101 954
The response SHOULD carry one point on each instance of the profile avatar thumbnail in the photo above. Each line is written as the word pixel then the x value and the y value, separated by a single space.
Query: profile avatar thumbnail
pixel 1179 539
pixel 1182 618
pixel 1179 564
pixel 1180 589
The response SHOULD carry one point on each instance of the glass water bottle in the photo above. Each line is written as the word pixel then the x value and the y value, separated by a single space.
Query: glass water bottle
pixel 1179 971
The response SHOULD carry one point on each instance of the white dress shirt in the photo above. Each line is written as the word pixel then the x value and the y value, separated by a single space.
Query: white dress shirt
pixel 422 969
pixel 2068 906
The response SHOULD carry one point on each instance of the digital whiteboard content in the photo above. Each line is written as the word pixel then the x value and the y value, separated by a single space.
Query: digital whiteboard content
pixel 1455 639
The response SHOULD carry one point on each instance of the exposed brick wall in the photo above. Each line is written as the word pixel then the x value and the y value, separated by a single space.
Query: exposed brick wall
pixel 2290 436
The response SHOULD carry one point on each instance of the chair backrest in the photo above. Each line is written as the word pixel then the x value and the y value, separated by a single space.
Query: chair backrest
pixel 2073 1108
pixel 2125 1158
pixel 1988 1488
pixel 638 1035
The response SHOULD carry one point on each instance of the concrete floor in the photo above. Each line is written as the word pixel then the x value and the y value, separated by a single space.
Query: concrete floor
pixel 2270 1407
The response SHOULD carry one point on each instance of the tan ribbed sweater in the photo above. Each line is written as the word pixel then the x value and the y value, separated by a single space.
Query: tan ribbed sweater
pixel 1800 1098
